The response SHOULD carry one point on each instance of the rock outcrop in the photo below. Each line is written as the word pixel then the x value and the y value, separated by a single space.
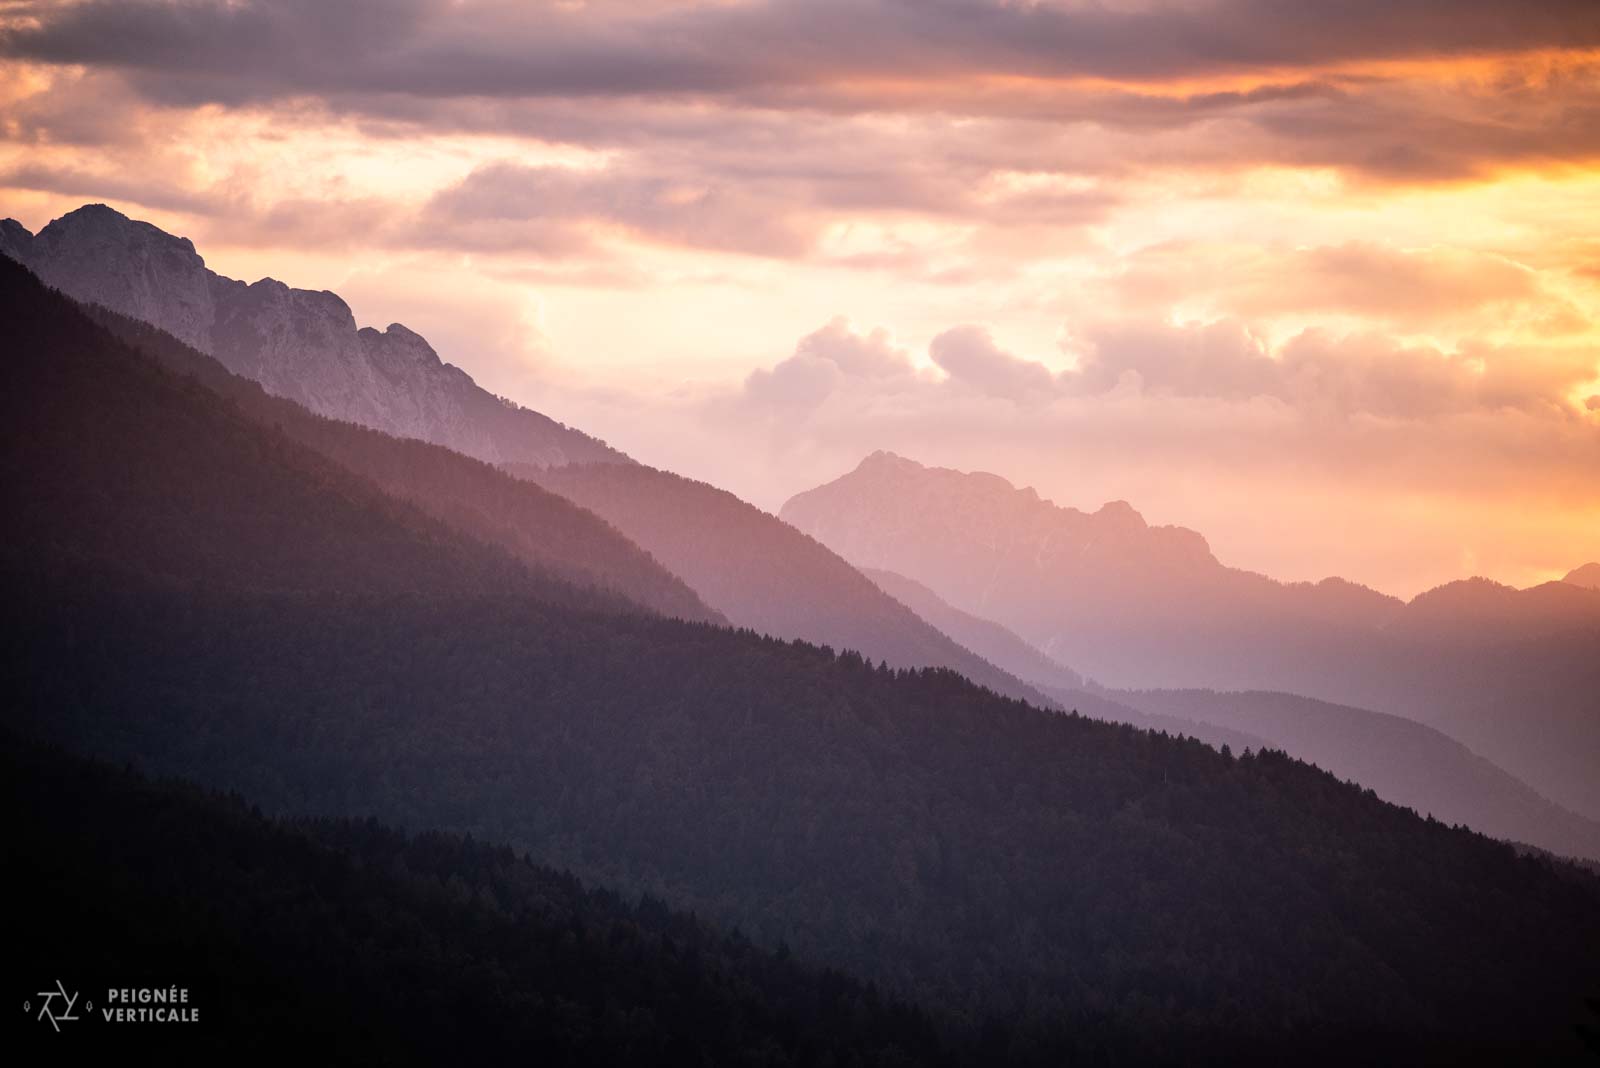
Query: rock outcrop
pixel 298 343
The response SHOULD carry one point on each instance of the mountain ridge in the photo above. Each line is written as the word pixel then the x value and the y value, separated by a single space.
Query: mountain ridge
pixel 1406 762
pixel 761 573
pixel 1509 673
pixel 543 530
pixel 300 344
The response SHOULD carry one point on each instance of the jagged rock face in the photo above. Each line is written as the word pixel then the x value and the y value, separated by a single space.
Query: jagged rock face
pixel 297 343
pixel 100 256
pixel 15 241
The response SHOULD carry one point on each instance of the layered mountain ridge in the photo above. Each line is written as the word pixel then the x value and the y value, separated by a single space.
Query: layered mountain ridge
pixel 761 573
pixel 894 511
pixel 1406 762
pixel 1510 673
pixel 300 344
pixel 125 451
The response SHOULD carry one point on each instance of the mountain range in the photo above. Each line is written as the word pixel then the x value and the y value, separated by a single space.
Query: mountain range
pixel 762 573
pixel 1511 673
pixel 1406 762
pixel 689 550
pixel 203 595
pixel 292 597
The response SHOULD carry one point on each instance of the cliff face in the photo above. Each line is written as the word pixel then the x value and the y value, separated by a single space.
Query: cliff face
pixel 297 343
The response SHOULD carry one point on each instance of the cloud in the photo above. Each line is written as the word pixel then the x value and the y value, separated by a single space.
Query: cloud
pixel 548 206
pixel 1458 87
pixel 1449 299
pixel 1220 359
pixel 1365 278
pixel 823 361
pixel 1319 373
pixel 1314 375
pixel 971 358
pixel 1389 496
pixel 435 48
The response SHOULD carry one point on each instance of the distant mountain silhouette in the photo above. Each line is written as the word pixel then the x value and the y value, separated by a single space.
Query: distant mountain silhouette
pixel 299 344
pixel 760 572
pixel 1001 647
pixel 1587 576
pixel 1404 761
pixel 1510 673
pixel 1049 571
pixel 1479 606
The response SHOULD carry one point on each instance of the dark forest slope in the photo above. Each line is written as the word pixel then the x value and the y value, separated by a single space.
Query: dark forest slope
pixel 1406 762
pixel 369 946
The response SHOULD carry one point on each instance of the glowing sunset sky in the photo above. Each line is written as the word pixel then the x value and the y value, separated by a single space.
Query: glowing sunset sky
pixel 1320 281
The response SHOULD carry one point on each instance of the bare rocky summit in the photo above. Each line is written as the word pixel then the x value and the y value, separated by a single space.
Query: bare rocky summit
pixel 298 343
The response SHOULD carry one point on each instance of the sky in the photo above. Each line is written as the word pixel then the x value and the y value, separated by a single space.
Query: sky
pixel 1319 281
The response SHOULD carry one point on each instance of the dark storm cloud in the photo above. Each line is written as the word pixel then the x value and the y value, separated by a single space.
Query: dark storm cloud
pixel 723 197
pixel 774 79
pixel 687 211
pixel 435 48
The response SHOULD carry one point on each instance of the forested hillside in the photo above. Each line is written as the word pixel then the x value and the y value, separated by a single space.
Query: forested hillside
pixel 388 948
pixel 1406 762
pixel 975 854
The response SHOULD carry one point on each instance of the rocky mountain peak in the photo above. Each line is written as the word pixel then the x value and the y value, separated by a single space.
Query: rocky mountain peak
pixel 16 240
pixel 298 343
pixel 399 347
